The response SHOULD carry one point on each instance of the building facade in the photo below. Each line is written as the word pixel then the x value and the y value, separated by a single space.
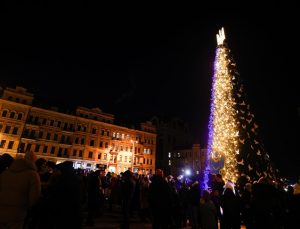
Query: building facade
pixel 89 138
pixel 172 133
pixel 189 161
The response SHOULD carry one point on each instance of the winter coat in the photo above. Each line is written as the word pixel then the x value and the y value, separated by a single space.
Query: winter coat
pixel 20 189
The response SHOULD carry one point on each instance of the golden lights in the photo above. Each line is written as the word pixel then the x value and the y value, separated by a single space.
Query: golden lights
pixel 225 127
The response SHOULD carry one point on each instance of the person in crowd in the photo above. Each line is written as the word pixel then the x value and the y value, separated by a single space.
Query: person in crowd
pixel 160 201
pixel 5 161
pixel 231 207
pixel 208 212
pixel 20 189
pixel 144 198
pixel 194 199
pixel 62 205
pixel 266 205
pixel 294 207
pixel 127 186
pixel 184 202
pixel 94 197
pixel 246 199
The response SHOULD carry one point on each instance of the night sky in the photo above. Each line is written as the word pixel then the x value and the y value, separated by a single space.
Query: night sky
pixel 139 63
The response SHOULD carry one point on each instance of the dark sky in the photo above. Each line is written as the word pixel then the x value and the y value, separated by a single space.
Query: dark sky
pixel 138 63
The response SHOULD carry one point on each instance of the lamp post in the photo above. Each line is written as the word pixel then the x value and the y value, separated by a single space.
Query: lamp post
pixel 132 153
pixel 108 158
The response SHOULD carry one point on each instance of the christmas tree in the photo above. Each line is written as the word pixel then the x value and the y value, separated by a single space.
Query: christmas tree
pixel 234 147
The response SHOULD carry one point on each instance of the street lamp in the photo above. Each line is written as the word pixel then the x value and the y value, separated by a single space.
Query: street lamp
pixel 108 157
pixel 132 153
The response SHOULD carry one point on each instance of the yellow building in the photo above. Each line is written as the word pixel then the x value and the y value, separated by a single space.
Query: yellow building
pixel 89 138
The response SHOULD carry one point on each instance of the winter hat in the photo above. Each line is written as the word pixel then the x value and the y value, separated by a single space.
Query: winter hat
pixel 229 185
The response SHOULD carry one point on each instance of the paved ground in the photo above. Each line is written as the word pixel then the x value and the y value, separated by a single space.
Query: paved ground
pixel 113 219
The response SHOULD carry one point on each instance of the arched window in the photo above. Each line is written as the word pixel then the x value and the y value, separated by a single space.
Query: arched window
pixel 4 113
pixel 12 114
pixel 20 116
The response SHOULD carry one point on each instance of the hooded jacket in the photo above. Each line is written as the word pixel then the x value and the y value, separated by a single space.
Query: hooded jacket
pixel 20 188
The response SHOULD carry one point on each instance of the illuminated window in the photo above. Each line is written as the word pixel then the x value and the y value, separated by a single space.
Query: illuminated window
pixel 2 143
pixel 169 155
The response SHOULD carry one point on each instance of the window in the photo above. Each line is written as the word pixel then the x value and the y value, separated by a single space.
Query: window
pixel 58 123
pixel 32 134
pixel 55 137
pixel 15 130
pixel 20 116
pixel 90 154
pixel 28 147
pixel 41 133
pixel 37 148
pixel 4 113
pixel 105 156
pixel 7 129
pixel 101 144
pixel 65 125
pixel 2 143
pixel 84 129
pixel 82 141
pixel 102 132
pixel 22 147
pixel 48 136
pixel 92 142
pixel 76 140
pixel 99 156
pixel 120 158
pixel 12 114
pixel 74 152
pixel 1 126
pixel 45 149
pixel 106 145
pixel 80 153
pixel 51 122
pixel 44 121
pixel 52 150
pixel 125 159
pixel 10 144
pixel 94 130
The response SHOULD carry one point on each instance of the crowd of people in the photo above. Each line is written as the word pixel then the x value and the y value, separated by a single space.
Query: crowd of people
pixel 35 193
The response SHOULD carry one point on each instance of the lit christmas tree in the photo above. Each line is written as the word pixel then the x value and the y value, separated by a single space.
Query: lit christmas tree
pixel 234 148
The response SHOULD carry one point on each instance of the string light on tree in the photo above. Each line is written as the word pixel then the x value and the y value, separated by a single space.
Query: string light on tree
pixel 234 149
